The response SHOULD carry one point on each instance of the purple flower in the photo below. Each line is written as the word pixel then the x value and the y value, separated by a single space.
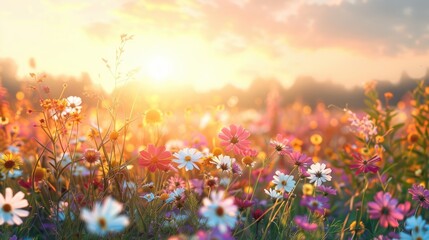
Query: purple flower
pixel 326 190
pixel 242 204
pixel 301 160
pixel 420 194
pixel 302 222
pixel 214 234
pixel 365 165
pixel 316 204
pixel 385 209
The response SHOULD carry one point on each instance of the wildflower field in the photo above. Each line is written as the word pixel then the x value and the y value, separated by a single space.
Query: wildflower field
pixel 120 169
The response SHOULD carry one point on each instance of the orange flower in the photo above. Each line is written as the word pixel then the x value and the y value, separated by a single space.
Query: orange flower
pixel 155 158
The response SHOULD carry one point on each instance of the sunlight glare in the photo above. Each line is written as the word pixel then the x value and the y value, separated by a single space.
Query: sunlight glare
pixel 159 68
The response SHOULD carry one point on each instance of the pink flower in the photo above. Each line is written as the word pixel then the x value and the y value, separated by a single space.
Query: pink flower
pixel 385 209
pixel 155 158
pixel 420 194
pixel 302 222
pixel 301 160
pixel 235 138
pixel 364 165
pixel 316 204
pixel 281 144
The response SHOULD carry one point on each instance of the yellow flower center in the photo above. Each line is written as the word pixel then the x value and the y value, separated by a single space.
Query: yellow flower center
pixel 188 158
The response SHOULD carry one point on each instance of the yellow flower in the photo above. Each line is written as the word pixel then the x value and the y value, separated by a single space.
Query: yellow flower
pixel 316 139
pixel 307 189
pixel 152 116
pixel 9 162
pixel 217 151
pixel 360 230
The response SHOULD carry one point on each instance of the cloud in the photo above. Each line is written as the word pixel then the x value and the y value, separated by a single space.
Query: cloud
pixel 383 27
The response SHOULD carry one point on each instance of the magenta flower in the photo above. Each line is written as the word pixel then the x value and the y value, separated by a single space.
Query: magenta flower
pixel 420 194
pixel 281 144
pixel 364 165
pixel 234 139
pixel 302 222
pixel 385 209
pixel 326 190
pixel 242 204
pixel 315 204
pixel 301 160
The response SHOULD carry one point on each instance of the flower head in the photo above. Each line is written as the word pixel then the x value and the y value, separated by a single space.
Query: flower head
pixel 220 212
pixel 73 105
pixel 420 194
pixel 188 157
pixel 274 194
pixel 223 162
pixel 418 227
pixel 155 158
pixel 10 207
pixel 385 209
pixel 300 160
pixel 316 204
pixel 365 165
pixel 283 182
pixel 319 174
pixel 175 182
pixel 326 190
pixel 281 144
pixel 234 139
pixel 9 162
pixel 302 222
pixel 91 155
pixel 153 116
pixel 104 217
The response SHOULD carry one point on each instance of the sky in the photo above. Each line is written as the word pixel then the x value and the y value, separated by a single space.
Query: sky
pixel 208 43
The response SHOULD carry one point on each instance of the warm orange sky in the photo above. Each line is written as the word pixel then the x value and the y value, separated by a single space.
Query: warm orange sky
pixel 208 43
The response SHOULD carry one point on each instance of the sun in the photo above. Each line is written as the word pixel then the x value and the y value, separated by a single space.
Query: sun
pixel 159 68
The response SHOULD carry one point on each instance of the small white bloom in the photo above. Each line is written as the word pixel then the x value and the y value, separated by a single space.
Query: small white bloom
pixel 319 174
pixel 223 162
pixel 187 158
pixel 73 104
pixel 149 197
pixel 283 182
pixel 220 212
pixel 104 217
pixel 10 207
pixel 273 193
pixel 175 195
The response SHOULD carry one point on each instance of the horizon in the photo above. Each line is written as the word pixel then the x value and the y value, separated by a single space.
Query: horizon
pixel 208 44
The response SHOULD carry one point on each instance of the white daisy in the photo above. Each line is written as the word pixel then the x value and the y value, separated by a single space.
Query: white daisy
pixel 73 104
pixel 416 224
pixel 10 207
pixel 283 182
pixel 175 195
pixel 223 162
pixel 149 197
pixel 220 212
pixel 104 217
pixel 319 174
pixel 187 158
pixel 273 193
